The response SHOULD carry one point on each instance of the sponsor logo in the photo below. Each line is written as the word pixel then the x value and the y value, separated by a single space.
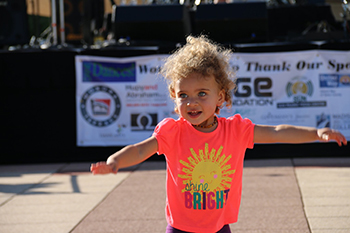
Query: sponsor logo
pixel 344 81
pixel 300 88
pixel 253 93
pixel 323 120
pixel 108 72
pixel 144 121
pixel 334 80
pixel 100 106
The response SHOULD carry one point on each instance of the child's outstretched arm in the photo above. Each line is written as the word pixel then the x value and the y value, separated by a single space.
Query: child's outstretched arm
pixel 126 157
pixel 295 134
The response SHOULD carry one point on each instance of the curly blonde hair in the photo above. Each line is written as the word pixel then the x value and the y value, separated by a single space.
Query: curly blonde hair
pixel 201 55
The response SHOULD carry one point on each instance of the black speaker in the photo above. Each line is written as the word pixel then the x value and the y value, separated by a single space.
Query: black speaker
pixel 93 16
pixel 14 28
pixel 232 23
pixel 82 17
pixel 152 23
pixel 289 22
pixel 73 13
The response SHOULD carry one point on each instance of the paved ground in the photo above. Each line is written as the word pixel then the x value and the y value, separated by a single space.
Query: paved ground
pixel 285 195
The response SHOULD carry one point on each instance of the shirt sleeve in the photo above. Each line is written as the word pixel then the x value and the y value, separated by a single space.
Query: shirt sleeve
pixel 165 133
pixel 245 129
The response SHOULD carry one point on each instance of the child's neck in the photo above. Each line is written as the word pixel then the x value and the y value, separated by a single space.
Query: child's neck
pixel 207 126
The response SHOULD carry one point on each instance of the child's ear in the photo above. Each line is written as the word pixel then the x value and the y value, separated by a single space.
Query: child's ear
pixel 221 98
pixel 172 94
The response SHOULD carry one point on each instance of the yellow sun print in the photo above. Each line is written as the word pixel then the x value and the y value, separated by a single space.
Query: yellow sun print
pixel 206 171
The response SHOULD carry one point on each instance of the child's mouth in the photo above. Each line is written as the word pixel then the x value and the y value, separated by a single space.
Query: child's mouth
pixel 194 113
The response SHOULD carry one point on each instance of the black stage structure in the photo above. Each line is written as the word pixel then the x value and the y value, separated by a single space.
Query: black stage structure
pixel 38 85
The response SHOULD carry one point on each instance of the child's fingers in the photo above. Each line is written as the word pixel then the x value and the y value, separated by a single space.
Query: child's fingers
pixel 338 137
pixel 103 168
pixel 345 142
pixel 335 135
pixel 342 139
pixel 98 168
pixel 92 167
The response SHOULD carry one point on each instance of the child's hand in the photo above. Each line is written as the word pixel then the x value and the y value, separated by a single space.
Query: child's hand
pixel 327 134
pixel 102 168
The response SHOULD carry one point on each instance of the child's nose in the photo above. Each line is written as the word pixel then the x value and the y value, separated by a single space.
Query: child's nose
pixel 192 102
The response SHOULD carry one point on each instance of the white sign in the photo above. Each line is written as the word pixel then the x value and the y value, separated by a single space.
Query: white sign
pixel 120 101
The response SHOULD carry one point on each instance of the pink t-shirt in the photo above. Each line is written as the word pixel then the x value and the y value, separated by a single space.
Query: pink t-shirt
pixel 204 171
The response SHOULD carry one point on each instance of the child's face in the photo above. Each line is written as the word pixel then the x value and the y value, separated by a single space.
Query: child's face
pixel 197 97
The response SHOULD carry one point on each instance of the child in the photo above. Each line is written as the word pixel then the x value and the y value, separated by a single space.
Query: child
pixel 204 153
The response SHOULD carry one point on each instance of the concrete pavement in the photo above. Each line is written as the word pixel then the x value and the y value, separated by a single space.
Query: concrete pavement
pixel 279 195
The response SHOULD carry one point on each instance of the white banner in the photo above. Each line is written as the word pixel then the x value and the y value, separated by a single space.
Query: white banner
pixel 120 101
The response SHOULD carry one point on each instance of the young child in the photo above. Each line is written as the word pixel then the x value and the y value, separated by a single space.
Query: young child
pixel 204 153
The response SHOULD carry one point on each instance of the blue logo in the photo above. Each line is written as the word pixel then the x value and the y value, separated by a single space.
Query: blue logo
pixel 109 72
pixel 323 121
pixel 334 80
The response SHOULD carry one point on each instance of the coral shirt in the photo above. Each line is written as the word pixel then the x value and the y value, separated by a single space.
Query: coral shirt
pixel 204 171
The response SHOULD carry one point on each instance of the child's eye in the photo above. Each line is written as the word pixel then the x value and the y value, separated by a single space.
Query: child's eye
pixel 202 93
pixel 182 95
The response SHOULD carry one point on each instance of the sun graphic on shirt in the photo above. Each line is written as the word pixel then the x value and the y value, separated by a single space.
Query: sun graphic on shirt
pixel 206 171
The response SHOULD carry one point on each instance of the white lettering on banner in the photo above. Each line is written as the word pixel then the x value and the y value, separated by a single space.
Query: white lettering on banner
pixel 268 92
